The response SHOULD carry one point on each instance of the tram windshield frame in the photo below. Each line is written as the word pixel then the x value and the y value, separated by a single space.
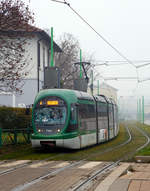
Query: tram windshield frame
pixel 50 111
pixel 54 115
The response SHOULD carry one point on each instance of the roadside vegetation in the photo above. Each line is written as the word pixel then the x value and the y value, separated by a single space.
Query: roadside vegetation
pixel 104 152
pixel 146 150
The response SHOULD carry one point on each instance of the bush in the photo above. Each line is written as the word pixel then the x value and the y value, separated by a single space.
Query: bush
pixel 14 118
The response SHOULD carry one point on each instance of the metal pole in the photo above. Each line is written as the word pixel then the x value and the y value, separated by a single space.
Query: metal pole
pixel 0 137
pixel 140 110
pixel 38 64
pixel 92 82
pixel 52 59
pixel 80 63
pixel 137 110
pixel 143 109
pixel 98 92
pixel 13 99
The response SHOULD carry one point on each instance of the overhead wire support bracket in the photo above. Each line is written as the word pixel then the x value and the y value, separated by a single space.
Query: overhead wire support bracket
pixel 82 64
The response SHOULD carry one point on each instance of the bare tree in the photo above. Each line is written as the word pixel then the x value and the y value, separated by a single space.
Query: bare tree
pixel 65 61
pixel 15 20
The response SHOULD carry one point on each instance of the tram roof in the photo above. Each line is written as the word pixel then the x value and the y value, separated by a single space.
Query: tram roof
pixel 70 95
pixel 108 100
pixel 100 98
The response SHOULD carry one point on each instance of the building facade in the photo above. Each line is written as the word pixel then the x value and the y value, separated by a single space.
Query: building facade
pixel 105 89
pixel 38 55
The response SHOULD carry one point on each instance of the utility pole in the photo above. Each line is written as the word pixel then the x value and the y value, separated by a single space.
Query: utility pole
pixel 0 136
pixel 140 110
pixel 92 81
pixel 98 90
pixel 137 110
pixel 52 57
pixel 51 73
pixel 81 64
pixel 143 109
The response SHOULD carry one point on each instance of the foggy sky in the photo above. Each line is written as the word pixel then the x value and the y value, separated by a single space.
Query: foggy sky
pixel 124 23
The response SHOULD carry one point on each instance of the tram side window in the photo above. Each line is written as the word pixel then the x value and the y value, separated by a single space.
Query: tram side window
pixel 111 113
pixel 91 111
pixel 86 116
pixel 86 111
pixel 102 109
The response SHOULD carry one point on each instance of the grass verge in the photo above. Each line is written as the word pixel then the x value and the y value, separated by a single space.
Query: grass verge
pixel 25 151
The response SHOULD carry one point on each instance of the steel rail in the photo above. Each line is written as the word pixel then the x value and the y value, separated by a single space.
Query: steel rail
pixel 141 147
pixel 10 170
pixel 100 171
pixel 38 179
pixel 83 184
pixel 147 136
pixel 114 147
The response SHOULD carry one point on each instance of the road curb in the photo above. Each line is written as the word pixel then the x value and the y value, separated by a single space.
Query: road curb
pixel 142 159
pixel 109 180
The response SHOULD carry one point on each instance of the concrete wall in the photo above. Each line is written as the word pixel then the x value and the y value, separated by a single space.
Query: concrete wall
pixel 27 98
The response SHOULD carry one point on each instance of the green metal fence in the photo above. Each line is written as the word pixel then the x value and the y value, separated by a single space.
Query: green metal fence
pixel 15 136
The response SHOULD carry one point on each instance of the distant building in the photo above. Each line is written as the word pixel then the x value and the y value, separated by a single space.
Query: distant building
pixel 39 52
pixel 106 90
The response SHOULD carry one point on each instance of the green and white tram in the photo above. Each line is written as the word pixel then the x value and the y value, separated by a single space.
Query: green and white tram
pixel 72 119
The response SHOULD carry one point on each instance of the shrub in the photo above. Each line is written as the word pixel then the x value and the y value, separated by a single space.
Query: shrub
pixel 14 118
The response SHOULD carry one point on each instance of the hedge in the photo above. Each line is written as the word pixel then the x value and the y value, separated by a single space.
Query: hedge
pixel 14 118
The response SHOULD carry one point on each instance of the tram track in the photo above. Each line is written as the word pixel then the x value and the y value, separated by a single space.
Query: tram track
pixel 114 147
pixel 36 180
pixel 97 173
pixel 141 146
pixel 147 137
pixel 83 183
pixel 10 170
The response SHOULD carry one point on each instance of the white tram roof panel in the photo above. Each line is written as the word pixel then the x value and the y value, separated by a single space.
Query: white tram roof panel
pixel 83 95
pixel 113 101
pixel 106 98
pixel 100 98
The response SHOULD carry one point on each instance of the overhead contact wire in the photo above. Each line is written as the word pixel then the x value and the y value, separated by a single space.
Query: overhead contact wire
pixel 116 50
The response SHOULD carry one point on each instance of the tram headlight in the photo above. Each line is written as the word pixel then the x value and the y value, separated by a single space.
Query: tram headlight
pixel 39 130
pixel 58 130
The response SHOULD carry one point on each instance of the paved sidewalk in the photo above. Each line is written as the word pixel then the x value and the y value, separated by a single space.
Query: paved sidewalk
pixel 138 179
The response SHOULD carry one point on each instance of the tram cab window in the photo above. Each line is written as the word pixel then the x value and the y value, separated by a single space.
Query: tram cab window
pixel 50 116
pixel 73 124
pixel 73 114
